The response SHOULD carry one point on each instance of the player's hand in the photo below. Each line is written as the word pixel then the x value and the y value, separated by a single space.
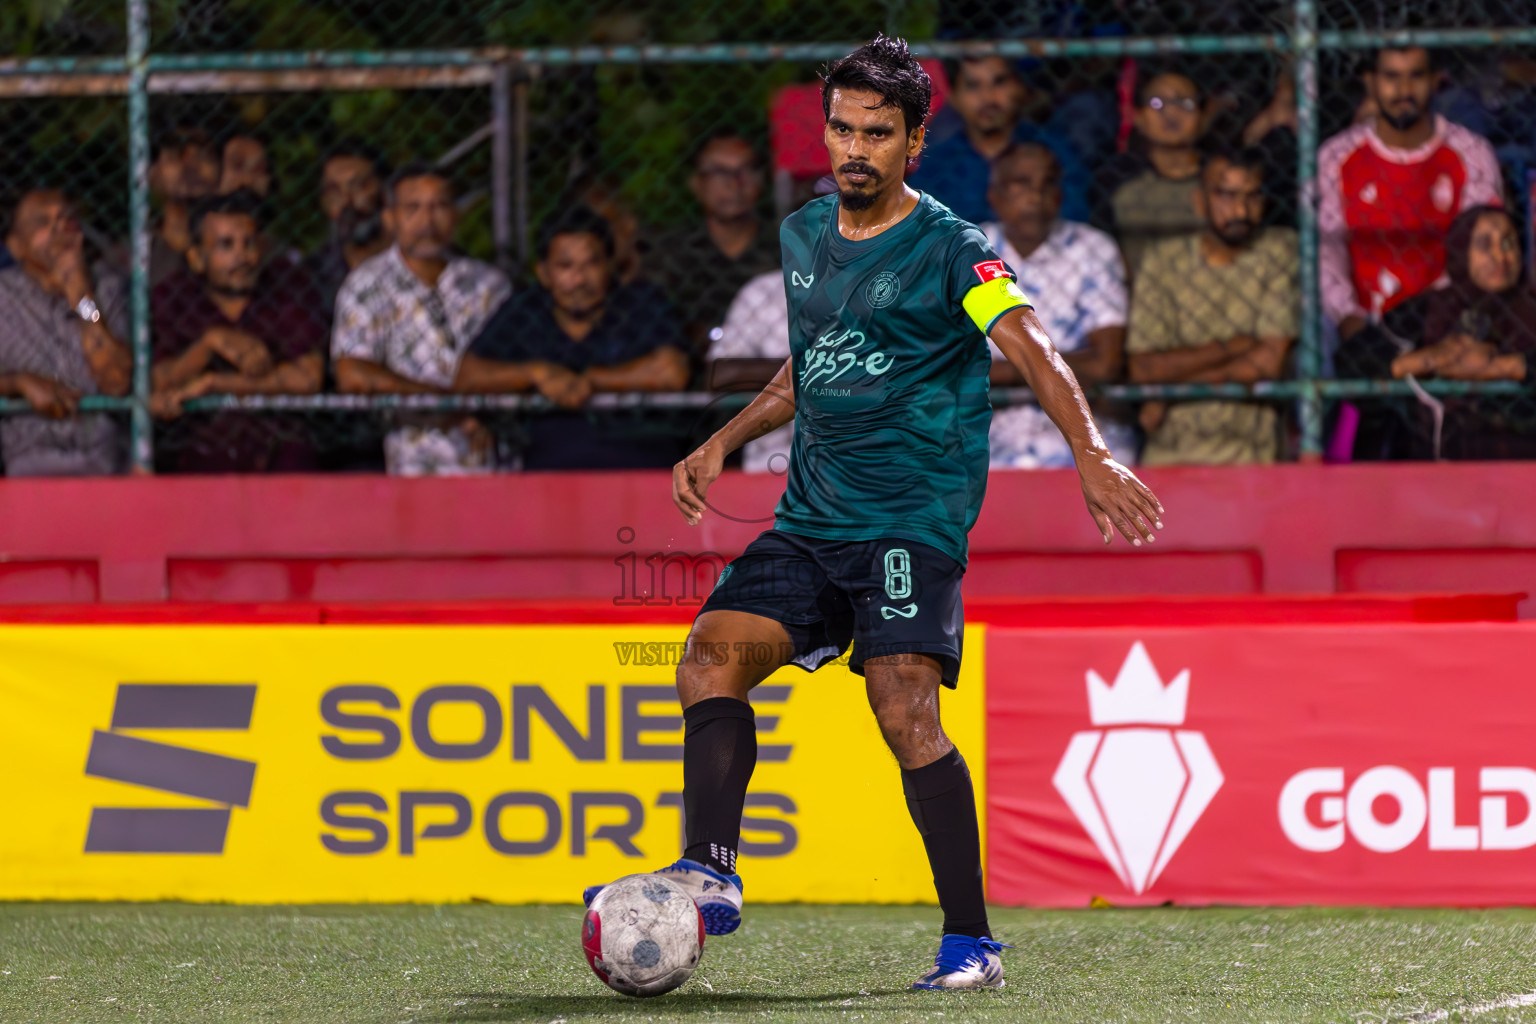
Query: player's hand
pixel 691 479
pixel 1119 501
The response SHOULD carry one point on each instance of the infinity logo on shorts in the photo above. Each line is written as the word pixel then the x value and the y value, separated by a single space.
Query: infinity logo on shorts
pixel 226 781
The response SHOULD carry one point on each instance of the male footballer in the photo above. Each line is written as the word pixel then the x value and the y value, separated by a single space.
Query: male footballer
pixel 891 300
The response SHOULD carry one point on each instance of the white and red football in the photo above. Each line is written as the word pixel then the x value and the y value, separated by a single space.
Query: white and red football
pixel 643 935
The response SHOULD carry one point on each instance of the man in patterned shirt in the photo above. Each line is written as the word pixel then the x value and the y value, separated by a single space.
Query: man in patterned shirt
pixel 1076 274
pixel 405 317
pixel 1217 307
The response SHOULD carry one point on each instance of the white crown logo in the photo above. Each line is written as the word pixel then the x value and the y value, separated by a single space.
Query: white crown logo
pixel 1138 696
pixel 1138 791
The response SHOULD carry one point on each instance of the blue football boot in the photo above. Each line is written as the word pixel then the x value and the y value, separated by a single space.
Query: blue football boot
pixel 965 962
pixel 718 896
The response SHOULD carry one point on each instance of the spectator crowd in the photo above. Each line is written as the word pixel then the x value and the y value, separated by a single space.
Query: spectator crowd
pixel 1169 258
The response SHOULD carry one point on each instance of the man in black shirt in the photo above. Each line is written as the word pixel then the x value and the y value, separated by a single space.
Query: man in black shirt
pixel 703 267
pixel 352 197
pixel 578 334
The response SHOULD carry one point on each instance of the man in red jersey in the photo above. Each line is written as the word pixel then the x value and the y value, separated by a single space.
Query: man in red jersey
pixel 1389 188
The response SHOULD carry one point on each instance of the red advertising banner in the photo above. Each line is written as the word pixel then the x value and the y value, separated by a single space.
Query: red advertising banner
pixel 1389 764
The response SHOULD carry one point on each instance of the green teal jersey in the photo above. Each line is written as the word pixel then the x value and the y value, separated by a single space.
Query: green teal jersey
pixel 888 341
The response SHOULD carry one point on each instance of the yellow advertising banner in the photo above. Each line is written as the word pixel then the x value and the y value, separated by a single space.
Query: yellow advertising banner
pixel 276 763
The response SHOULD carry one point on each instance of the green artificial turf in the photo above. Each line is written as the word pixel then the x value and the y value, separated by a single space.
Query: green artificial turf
pixel 395 964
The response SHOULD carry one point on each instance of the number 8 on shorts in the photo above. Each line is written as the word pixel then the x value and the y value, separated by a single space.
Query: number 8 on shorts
pixel 898 574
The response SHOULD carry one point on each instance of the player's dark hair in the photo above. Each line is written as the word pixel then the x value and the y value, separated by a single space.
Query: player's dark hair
pixel 413 169
pixel 1014 150
pixel 886 67
pixel 576 220
pixel 240 201
pixel 1242 158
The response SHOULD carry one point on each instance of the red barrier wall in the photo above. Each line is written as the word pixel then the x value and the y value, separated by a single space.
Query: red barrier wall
pixel 1272 530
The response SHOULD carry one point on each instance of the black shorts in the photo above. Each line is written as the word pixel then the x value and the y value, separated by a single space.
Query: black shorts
pixel 884 596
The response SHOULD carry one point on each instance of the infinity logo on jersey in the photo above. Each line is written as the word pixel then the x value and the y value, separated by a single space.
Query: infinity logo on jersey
pixel 1136 784
pixel 225 781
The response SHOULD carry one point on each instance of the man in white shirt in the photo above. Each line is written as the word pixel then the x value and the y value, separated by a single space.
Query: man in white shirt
pixel 405 317
pixel 756 328
pixel 1075 276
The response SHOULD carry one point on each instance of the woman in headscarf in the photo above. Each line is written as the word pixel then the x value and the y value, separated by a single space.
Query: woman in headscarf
pixel 1482 326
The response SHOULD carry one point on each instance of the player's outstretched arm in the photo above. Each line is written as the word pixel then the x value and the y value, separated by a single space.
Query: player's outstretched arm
pixel 770 410
pixel 1115 498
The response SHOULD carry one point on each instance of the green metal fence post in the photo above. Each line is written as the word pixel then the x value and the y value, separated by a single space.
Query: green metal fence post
pixel 141 429
pixel 1309 361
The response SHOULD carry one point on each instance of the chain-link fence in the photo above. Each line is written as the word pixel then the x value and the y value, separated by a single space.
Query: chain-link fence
pixel 229 163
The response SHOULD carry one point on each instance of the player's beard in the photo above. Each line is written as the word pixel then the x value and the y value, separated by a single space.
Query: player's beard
pixel 857 199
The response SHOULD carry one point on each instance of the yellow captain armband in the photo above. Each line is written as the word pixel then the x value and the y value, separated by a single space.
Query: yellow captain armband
pixel 988 301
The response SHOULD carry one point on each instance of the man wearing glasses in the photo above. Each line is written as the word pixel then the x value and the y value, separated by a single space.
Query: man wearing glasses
pixel 1148 193
pixel 703 267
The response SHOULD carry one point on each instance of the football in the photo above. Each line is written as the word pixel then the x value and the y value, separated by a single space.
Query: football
pixel 643 935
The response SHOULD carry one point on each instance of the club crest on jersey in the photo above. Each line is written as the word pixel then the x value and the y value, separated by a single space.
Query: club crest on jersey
pixel 991 270
pixel 882 289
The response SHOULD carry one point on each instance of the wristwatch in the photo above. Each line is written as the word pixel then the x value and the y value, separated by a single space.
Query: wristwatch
pixel 87 310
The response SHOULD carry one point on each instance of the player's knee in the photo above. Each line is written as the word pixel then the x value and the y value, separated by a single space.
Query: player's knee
pixel 695 683
pixel 907 712
pixel 700 677
pixel 904 718
pixel 915 741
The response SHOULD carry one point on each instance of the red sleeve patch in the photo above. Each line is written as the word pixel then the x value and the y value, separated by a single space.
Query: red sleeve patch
pixel 991 270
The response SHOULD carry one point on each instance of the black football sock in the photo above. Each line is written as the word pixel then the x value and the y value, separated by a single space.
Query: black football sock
pixel 943 807
pixel 719 753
